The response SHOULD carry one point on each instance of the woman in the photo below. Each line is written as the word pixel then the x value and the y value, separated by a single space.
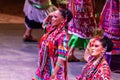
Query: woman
pixel 81 26
pixel 35 12
pixel 53 47
pixel 97 67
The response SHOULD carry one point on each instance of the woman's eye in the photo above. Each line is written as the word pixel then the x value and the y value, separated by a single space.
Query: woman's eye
pixel 55 16
pixel 96 45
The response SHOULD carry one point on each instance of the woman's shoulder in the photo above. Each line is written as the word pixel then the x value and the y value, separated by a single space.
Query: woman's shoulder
pixel 104 67
pixel 63 34
pixel 105 71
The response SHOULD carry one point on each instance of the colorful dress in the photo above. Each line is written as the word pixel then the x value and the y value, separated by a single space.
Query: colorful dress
pixel 77 42
pixel 95 71
pixel 83 23
pixel 53 45
pixel 35 12
pixel 110 22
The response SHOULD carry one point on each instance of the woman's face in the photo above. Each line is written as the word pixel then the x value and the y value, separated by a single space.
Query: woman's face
pixel 57 19
pixel 96 49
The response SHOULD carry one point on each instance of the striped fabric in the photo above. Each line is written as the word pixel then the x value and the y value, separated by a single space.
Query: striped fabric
pixel 110 22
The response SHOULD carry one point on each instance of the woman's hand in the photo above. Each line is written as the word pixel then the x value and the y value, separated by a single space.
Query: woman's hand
pixel 47 19
pixel 56 69
pixel 52 77
pixel 51 14
pixel 87 50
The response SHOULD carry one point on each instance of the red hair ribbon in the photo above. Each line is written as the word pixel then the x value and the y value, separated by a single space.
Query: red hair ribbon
pixel 96 38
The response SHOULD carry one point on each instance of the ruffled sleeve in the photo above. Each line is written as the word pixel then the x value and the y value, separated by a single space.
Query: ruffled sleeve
pixel 62 46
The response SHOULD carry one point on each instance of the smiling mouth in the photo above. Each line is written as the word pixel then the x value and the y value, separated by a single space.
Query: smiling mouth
pixel 92 51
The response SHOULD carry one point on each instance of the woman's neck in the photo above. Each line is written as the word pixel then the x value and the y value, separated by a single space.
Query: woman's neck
pixel 56 26
pixel 96 60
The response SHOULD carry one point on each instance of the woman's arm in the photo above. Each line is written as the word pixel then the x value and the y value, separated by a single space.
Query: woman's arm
pixel 47 20
pixel 87 51
pixel 86 54
pixel 62 54
pixel 59 63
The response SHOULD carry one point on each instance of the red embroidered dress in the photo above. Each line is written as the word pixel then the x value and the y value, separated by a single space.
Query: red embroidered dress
pixel 83 22
pixel 110 22
pixel 53 45
pixel 93 71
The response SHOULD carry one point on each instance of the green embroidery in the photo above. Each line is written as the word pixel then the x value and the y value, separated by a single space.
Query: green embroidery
pixel 40 6
pixel 62 56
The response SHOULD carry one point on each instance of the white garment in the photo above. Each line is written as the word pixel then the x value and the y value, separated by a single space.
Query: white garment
pixel 35 14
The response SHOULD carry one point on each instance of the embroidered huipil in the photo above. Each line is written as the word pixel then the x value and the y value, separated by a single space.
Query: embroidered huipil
pixel 91 71
pixel 110 22
pixel 53 45
pixel 83 22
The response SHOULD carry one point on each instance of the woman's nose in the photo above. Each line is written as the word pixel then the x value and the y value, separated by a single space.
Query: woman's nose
pixel 92 48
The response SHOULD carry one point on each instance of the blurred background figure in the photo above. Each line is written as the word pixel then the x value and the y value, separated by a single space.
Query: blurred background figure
pixel 110 23
pixel 81 26
pixel 35 12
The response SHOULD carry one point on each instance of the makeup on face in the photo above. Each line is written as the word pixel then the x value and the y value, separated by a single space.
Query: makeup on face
pixel 95 45
pixel 96 48
pixel 57 18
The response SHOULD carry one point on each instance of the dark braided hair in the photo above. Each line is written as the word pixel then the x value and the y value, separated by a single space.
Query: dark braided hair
pixel 106 42
pixel 66 13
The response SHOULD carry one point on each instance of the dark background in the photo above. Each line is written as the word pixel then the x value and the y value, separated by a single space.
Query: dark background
pixel 15 7
pixel 12 7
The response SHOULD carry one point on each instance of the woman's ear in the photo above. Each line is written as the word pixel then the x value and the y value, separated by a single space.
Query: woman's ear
pixel 104 50
pixel 62 21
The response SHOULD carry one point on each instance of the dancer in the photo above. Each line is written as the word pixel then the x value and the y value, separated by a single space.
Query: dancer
pixel 53 47
pixel 81 26
pixel 97 67
pixel 110 23
pixel 35 12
